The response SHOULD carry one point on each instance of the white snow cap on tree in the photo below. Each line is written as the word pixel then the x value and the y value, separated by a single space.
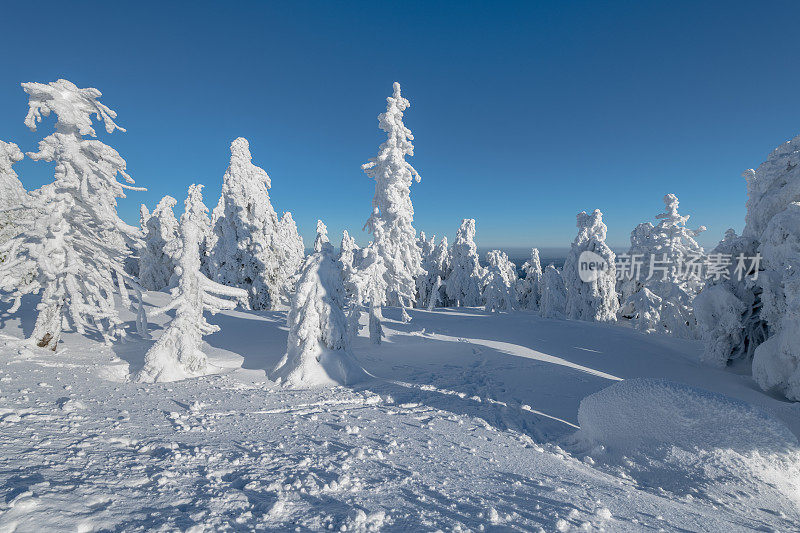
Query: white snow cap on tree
pixel 670 244
pixel 529 286
pixel 76 245
pixel 318 351
pixel 595 300
pixel 500 292
pixel 245 231
pixel 178 352
pixel 464 284
pixel 553 294
pixel 157 259
pixel 392 208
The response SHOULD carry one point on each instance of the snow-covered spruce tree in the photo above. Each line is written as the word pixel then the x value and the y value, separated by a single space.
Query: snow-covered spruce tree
pixel 436 264
pixel 553 294
pixel 391 205
pixel 370 283
pixel 291 252
pixel 464 284
pixel 245 231
pixel 728 310
pixel 348 250
pixel 500 292
pixel 178 353
pixel 12 193
pixel 318 350
pixel 75 247
pixel 528 287
pixel 157 258
pixel 595 300
pixel 768 308
pixel 672 247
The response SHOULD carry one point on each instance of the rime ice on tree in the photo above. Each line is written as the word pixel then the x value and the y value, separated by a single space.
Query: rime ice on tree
pixel 318 350
pixel 178 352
pixel 553 296
pixel 500 292
pixel 392 207
pixel 12 193
pixel 528 287
pixel 464 284
pixel 666 306
pixel 75 245
pixel 596 300
pixel 157 258
pixel 245 228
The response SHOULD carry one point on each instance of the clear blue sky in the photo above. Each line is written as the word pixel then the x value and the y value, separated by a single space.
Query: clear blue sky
pixel 524 113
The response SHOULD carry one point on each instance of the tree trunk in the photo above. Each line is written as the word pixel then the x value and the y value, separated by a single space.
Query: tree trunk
pixel 47 331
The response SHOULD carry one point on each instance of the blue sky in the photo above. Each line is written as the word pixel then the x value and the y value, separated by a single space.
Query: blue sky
pixel 524 113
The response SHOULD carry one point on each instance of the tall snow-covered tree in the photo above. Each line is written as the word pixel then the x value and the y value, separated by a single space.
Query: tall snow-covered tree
pixel 464 284
pixel 500 291
pixel 12 193
pixel 553 294
pixel 157 258
pixel 391 205
pixel 758 313
pixel 245 231
pixel 178 353
pixel 670 247
pixel 75 247
pixel 318 349
pixel 595 300
pixel 529 286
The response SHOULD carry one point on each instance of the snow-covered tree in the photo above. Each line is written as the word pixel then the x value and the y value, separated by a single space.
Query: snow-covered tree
pixel 291 252
pixel 245 230
pixel 157 258
pixel 12 193
pixel 178 353
pixel 728 310
pixel 553 294
pixel 436 264
pixel 500 291
pixel 392 210
pixel 464 284
pixel 75 246
pixel 529 286
pixel 318 349
pixel 370 283
pixel 594 300
pixel 670 247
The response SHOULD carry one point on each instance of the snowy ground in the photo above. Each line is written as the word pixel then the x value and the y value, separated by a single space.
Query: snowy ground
pixel 469 424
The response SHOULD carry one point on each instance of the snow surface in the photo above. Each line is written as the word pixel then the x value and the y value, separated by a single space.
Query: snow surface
pixel 469 423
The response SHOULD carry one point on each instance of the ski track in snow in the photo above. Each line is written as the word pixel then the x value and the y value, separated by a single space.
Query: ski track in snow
pixel 458 431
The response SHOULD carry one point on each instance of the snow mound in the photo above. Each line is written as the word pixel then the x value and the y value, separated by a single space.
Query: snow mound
pixel 635 415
